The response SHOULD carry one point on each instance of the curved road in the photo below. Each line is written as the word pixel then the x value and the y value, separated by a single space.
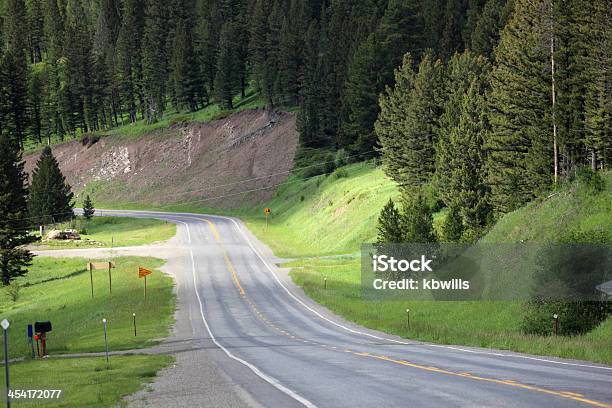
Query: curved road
pixel 285 350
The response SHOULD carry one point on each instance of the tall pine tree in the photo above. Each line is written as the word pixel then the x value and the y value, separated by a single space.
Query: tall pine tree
pixel 14 258
pixel 50 196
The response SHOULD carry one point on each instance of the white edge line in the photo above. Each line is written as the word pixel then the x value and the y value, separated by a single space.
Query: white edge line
pixel 272 381
pixel 389 339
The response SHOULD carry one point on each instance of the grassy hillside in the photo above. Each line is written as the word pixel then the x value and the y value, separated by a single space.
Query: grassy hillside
pixel 571 208
pixel 324 215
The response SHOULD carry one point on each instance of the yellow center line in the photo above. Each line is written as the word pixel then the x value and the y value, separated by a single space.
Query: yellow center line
pixel 230 266
pixel 511 383
pixel 213 229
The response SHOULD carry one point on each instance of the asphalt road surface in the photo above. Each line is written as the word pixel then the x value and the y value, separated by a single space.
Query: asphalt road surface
pixel 284 350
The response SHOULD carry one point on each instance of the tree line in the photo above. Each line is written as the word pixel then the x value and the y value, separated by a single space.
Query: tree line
pixel 74 66
pixel 483 135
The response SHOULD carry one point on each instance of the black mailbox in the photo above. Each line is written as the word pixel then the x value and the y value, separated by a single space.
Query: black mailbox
pixel 42 327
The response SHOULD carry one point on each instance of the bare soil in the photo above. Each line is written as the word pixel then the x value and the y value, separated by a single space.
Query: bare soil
pixel 228 163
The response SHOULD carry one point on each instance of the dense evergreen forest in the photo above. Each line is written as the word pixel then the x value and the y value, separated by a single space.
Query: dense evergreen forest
pixel 490 102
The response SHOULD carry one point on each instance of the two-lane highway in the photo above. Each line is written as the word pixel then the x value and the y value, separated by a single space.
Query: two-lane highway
pixel 308 357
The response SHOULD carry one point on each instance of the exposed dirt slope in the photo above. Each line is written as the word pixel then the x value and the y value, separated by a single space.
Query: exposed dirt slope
pixel 211 164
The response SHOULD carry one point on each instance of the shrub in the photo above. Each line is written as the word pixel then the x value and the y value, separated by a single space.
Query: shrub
pixel 564 284
pixel 592 180
pixel 341 173
pixel 13 291
pixel 342 158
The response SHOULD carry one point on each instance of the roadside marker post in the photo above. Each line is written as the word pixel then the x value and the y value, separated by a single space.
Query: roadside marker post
pixel 408 318
pixel 325 283
pixel 105 340
pixel 134 316
pixel 5 325
pixel 555 324
pixel 89 266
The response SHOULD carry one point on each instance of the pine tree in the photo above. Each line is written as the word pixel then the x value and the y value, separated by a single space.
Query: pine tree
pixel 227 81
pixel 15 70
pixel 462 71
pixel 495 14
pixel 291 48
pixel 408 123
pixel 593 61
pixel 390 225
pixel 129 57
pixel 154 60
pixel 14 258
pixel 360 97
pixel 88 208
pixel 418 220
pixel 259 48
pixel 186 81
pixel 77 104
pixel 308 120
pixel 520 142
pixel 50 196
pixel 452 228
pixel 35 30
pixel 371 70
pixel 466 189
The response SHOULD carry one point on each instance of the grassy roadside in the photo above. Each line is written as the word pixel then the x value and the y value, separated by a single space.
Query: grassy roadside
pixel 85 382
pixel 102 232
pixel 480 324
pixel 59 290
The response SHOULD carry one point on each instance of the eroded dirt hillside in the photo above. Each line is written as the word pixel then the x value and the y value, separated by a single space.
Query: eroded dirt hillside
pixel 227 163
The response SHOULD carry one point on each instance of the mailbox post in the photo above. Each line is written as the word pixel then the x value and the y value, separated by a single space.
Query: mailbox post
pixel 41 329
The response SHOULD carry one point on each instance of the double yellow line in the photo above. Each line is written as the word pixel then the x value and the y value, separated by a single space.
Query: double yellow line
pixel 229 263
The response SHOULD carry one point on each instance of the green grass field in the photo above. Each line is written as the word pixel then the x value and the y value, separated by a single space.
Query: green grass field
pixel 59 290
pixel 103 232
pixel 85 382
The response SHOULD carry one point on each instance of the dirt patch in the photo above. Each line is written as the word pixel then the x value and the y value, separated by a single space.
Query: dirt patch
pixel 228 163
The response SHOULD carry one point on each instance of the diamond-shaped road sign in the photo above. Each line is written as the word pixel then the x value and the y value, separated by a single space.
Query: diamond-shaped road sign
pixel 5 324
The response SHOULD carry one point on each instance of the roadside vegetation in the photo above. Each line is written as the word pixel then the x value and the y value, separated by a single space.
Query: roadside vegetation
pixel 104 232
pixel 331 216
pixel 58 290
pixel 87 381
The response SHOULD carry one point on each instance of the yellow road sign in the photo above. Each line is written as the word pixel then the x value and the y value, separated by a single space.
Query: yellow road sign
pixel 267 211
